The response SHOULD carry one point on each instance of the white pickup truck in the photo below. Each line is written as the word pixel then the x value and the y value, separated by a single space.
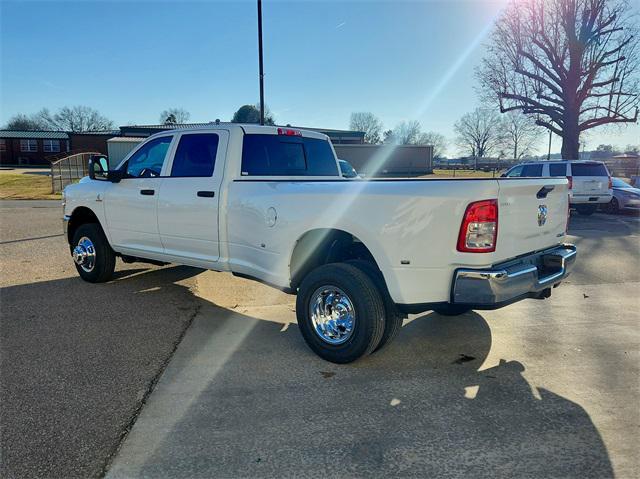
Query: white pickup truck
pixel 270 204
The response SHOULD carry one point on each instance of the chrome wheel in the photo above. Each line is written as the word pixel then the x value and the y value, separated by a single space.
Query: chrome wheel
pixel 84 254
pixel 332 314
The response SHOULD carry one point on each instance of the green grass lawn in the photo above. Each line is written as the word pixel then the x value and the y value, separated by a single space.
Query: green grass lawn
pixel 26 187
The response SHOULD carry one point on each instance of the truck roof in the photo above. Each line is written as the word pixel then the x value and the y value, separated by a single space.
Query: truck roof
pixel 247 128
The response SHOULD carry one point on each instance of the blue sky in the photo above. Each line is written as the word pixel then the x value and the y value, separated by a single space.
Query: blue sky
pixel 323 60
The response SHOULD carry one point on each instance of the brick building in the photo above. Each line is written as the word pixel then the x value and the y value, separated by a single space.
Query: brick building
pixel 31 147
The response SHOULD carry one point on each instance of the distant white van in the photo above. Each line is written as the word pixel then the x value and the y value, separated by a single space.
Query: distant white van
pixel 589 181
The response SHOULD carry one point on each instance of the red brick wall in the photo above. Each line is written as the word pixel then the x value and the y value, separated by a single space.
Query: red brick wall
pixel 13 155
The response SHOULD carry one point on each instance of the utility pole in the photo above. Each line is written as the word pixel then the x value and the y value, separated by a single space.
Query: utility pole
pixel 260 62
pixel 549 153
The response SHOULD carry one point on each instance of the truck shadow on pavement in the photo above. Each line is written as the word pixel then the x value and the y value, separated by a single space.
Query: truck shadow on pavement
pixel 246 398
pixel 243 397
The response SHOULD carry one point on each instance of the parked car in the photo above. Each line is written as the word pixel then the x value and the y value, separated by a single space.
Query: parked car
pixel 270 204
pixel 625 197
pixel 589 181
pixel 347 170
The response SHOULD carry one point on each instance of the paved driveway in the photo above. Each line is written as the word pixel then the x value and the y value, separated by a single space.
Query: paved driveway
pixel 77 359
pixel 540 388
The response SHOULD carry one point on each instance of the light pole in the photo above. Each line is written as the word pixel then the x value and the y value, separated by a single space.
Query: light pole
pixel 260 62
pixel 549 152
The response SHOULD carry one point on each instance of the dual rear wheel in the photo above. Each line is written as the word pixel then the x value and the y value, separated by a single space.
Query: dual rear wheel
pixel 344 311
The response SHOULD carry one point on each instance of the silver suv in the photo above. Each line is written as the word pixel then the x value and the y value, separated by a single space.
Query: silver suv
pixel 589 181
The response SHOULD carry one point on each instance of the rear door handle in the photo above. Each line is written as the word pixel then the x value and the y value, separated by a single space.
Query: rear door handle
pixel 206 194
pixel 148 192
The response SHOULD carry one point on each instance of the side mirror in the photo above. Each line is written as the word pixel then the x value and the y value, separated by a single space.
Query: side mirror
pixel 99 168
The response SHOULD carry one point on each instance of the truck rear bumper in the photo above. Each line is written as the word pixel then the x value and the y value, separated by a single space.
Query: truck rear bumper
pixel 530 276
pixel 596 198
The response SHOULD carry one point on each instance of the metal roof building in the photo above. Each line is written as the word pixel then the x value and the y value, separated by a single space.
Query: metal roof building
pixel 337 137
pixel 47 135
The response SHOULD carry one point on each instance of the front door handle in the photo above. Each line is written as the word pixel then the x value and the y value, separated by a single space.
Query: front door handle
pixel 148 192
pixel 206 194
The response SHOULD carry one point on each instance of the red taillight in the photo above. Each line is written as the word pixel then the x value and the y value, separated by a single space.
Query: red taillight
pixel 479 229
pixel 570 178
pixel 289 132
pixel 610 183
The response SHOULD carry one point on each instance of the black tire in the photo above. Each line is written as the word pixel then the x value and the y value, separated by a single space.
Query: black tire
pixel 452 310
pixel 105 258
pixel 393 317
pixel 367 303
pixel 613 207
pixel 586 210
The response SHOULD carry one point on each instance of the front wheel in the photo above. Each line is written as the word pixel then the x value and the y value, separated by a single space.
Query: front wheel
pixel 340 312
pixel 93 257
pixel 586 210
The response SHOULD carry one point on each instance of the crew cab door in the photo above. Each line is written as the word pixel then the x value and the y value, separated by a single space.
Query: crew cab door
pixel 189 197
pixel 131 204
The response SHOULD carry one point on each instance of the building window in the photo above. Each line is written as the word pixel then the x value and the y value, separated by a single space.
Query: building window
pixel 3 145
pixel 51 146
pixel 28 145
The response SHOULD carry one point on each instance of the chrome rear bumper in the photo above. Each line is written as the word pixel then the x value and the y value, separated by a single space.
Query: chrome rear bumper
pixel 525 277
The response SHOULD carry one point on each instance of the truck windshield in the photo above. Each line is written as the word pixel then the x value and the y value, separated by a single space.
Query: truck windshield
pixel 276 155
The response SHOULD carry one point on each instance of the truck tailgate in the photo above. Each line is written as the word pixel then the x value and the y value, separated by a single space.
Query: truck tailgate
pixel 532 215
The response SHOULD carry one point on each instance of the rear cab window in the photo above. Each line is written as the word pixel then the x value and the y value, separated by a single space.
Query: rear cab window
pixel 589 169
pixel 279 155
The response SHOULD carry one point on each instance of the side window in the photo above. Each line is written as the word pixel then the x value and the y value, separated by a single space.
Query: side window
pixel 557 169
pixel 147 161
pixel 531 171
pixel 276 155
pixel 515 172
pixel 195 155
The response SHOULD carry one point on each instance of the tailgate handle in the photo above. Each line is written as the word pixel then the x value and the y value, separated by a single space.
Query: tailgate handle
pixel 544 191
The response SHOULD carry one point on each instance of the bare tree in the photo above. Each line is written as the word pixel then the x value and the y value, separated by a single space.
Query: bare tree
pixel 75 119
pixel 437 140
pixel 573 64
pixel 478 132
pixel 368 123
pixel 174 116
pixel 406 133
pixel 24 122
pixel 519 134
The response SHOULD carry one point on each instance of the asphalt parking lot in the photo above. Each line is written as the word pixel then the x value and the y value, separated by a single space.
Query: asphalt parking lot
pixel 175 372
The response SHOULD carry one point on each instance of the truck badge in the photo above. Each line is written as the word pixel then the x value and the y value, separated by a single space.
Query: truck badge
pixel 542 215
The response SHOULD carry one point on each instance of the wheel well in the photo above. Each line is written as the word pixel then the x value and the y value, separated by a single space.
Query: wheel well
pixel 80 216
pixel 323 246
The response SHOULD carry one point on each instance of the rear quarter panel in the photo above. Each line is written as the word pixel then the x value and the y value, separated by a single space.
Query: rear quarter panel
pixel 411 220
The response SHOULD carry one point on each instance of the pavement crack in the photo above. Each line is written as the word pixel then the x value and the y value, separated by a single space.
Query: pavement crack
pixel 147 393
